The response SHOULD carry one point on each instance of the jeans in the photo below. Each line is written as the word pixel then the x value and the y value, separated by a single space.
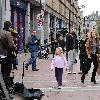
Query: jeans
pixel 32 60
pixel 71 60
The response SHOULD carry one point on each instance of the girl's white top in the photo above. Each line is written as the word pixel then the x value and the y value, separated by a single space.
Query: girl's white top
pixel 59 62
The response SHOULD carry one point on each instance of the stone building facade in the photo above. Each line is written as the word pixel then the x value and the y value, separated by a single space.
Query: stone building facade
pixel 45 16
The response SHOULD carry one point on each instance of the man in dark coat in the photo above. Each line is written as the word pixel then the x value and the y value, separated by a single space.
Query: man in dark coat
pixel 6 48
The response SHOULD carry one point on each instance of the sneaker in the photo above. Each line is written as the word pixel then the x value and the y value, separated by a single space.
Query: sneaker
pixel 93 81
pixel 35 69
pixel 73 72
pixel 61 86
pixel 69 73
pixel 80 73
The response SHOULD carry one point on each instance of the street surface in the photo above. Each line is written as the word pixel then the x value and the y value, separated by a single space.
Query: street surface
pixel 45 80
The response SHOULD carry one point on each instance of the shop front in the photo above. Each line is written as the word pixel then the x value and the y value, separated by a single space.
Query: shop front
pixel 18 13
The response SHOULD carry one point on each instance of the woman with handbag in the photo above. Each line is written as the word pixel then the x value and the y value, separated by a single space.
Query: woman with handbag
pixel 92 49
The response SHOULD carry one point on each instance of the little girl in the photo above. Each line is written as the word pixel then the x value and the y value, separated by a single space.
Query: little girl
pixel 59 62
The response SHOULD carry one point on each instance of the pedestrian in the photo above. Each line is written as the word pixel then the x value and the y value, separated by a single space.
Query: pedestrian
pixel 54 45
pixel 59 62
pixel 92 49
pixel 6 48
pixel 70 50
pixel 75 43
pixel 82 55
pixel 33 45
pixel 61 42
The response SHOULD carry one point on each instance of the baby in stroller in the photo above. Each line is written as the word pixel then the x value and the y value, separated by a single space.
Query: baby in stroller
pixel 43 52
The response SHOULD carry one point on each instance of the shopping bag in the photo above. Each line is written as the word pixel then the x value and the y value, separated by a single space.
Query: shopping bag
pixel 16 61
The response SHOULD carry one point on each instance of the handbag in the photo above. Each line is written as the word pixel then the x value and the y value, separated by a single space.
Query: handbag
pixel 98 70
pixel 16 61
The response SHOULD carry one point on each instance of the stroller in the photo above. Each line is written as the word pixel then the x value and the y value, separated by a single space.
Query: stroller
pixel 43 52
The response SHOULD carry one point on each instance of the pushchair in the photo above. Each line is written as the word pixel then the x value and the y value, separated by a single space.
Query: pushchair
pixel 43 52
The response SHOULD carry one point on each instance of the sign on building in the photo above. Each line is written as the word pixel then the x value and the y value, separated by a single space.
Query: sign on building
pixel 40 19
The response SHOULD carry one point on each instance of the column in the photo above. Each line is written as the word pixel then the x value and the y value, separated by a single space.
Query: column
pixel 42 35
pixel 46 25
pixel 55 25
pixel 3 12
pixel 0 15
pixel 8 11
pixel 27 21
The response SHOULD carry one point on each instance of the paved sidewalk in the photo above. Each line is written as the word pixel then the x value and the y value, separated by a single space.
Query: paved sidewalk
pixel 45 80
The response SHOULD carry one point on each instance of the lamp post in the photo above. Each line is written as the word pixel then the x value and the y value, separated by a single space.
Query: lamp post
pixel 82 7
pixel 68 32
pixel 69 17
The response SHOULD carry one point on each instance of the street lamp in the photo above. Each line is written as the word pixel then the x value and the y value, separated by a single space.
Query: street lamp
pixel 69 29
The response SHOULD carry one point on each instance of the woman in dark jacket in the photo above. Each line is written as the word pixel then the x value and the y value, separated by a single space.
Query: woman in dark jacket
pixel 92 50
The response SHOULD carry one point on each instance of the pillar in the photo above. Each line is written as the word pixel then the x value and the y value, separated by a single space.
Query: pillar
pixel 3 12
pixel 0 15
pixel 55 26
pixel 28 21
pixel 8 11
pixel 46 25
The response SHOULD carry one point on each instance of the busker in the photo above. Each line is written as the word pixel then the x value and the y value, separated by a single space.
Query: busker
pixel 59 62
pixel 92 49
pixel 6 48
pixel 33 48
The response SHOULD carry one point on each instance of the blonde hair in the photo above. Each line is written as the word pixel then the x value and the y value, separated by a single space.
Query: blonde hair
pixel 59 51
pixel 90 37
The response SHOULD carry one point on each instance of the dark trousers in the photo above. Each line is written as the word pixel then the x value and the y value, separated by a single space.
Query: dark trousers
pixel 58 75
pixel 14 63
pixel 95 63
pixel 83 61
pixel 6 65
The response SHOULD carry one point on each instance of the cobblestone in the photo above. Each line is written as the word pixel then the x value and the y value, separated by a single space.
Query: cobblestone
pixel 45 80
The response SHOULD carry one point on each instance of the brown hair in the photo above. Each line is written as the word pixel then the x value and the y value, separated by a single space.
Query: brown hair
pixel 90 42
pixel 91 38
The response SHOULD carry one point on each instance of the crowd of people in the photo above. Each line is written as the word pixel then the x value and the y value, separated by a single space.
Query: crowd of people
pixel 89 49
